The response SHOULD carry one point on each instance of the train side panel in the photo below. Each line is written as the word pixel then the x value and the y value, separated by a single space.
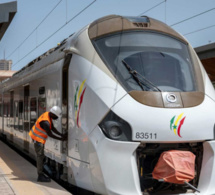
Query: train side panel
pixel 25 100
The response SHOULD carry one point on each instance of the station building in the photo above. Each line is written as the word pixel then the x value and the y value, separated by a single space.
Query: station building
pixel 206 54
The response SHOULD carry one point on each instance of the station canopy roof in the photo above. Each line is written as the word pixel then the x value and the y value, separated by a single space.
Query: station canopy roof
pixel 7 12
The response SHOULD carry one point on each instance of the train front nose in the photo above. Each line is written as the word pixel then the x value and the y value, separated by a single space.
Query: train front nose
pixel 131 138
pixel 155 130
pixel 167 92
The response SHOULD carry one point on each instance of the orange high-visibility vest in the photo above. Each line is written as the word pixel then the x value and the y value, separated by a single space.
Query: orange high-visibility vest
pixel 37 133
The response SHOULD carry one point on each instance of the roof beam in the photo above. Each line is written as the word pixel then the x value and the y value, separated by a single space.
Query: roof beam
pixel 7 12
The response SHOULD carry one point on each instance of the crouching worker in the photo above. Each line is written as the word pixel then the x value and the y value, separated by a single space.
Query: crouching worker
pixel 40 132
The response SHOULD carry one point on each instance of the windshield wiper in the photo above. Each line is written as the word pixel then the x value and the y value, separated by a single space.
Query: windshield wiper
pixel 141 81
pixel 134 75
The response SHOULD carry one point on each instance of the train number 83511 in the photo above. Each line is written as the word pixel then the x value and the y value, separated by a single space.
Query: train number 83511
pixel 145 135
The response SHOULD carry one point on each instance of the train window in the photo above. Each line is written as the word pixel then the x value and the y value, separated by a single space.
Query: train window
pixel 42 90
pixel 8 109
pixel 26 106
pixel 16 115
pixel 142 60
pixel 5 109
pixel 33 111
pixel 20 118
pixel 41 105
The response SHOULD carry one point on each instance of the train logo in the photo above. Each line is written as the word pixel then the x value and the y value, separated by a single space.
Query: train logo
pixel 78 100
pixel 176 125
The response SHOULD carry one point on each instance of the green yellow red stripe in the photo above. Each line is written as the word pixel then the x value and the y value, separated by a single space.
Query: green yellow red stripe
pixel 78 100
pixel 79 92
pixel 176 123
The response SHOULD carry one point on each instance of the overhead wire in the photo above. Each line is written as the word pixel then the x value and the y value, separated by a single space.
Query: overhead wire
pixel 152 7
pixel 179 22
pixel 192 17
pixel 67 22
pixel 35 28
pixel 199 30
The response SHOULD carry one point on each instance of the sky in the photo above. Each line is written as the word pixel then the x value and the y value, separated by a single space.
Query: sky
pixel 41 24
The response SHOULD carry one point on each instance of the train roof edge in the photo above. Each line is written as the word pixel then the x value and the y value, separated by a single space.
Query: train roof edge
pixel 115 23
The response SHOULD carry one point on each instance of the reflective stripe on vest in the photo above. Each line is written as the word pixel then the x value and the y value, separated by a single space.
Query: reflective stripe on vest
pixel 39 130
pixel 38 135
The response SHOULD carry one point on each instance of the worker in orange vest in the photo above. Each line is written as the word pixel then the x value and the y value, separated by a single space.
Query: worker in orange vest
pixel 39 134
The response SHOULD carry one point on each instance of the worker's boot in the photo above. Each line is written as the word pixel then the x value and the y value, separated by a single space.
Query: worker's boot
pixel 43 178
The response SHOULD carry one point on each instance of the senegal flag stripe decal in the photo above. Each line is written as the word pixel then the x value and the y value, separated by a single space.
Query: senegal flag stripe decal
pixel 80 90
pixel 171 122
pixel 177 125
pixel 179 128
pixel 176 122
pixel 78 100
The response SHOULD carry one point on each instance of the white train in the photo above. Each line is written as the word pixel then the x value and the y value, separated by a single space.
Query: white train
pixel 130 88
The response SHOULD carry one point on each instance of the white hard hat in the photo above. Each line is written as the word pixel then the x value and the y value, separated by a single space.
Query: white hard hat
pixel 56 110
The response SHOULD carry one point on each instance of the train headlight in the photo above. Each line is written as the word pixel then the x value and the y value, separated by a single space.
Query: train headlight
pixel 115 128
pixel 115 132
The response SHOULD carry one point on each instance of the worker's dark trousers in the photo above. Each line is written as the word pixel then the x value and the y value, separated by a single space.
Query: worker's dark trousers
pixel 39 149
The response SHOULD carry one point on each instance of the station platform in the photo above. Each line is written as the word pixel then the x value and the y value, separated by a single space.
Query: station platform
pixel 19 177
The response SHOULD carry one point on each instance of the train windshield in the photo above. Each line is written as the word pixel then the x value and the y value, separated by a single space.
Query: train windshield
pixel 148 61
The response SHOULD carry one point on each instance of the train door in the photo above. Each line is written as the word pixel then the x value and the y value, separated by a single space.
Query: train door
pixel 6 114
pixel 20 116
pixel 26 121
pixel 16 109
pixel 65 105
pixel 16 133
pixel 11 121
